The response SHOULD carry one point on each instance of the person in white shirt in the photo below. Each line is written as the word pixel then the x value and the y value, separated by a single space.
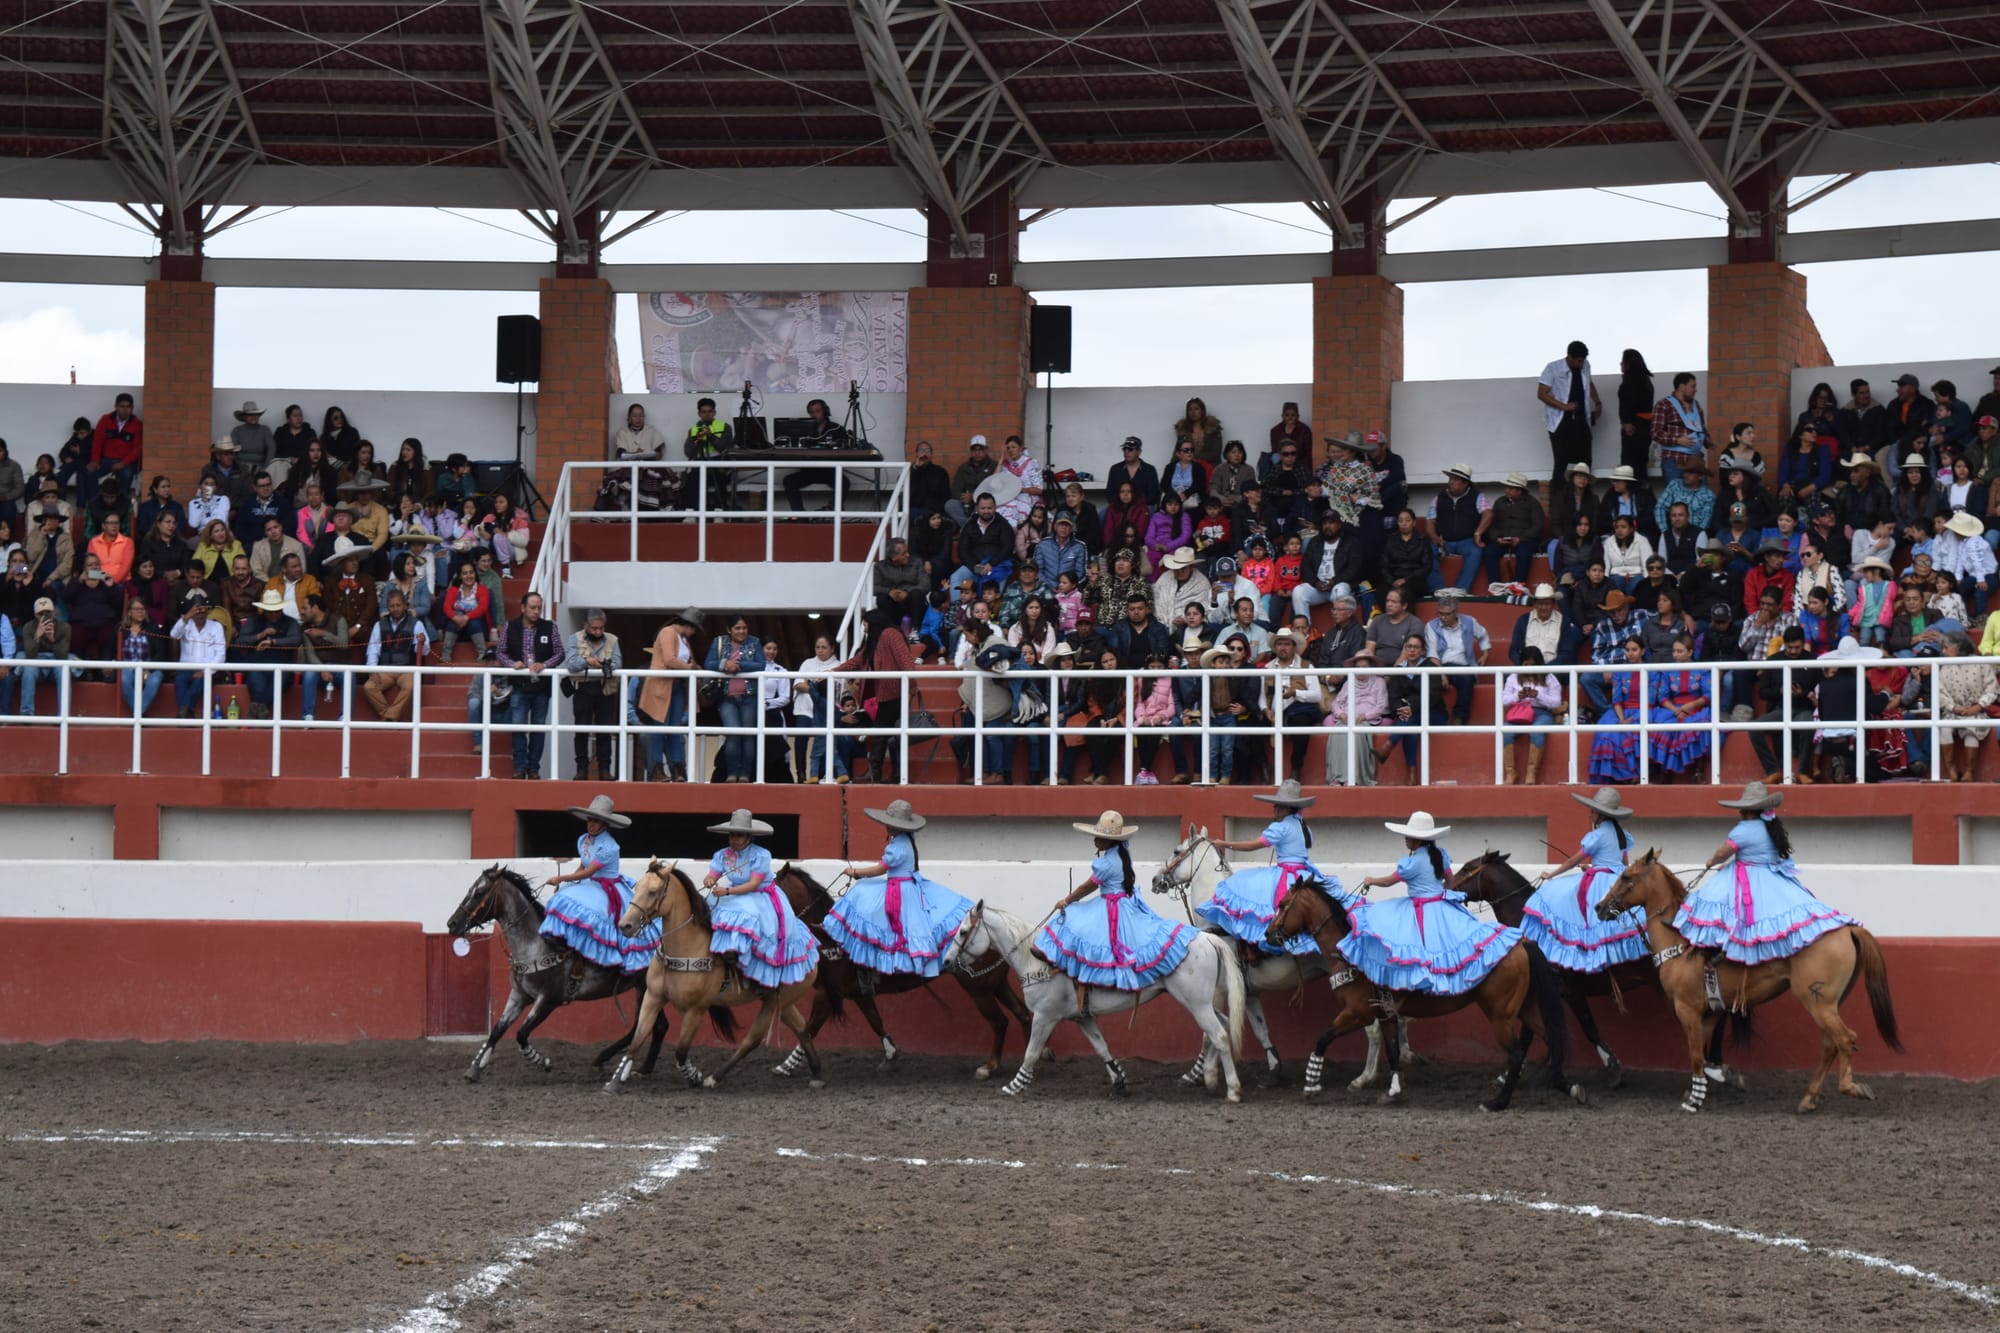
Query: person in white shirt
pixel 1293 695
pixel 811 706
pixel 1626 552
pixel 203 644
pixel 1566 392
pixel 1454 640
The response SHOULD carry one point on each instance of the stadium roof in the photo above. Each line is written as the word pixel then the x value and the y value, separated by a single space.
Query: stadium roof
pixel 572 109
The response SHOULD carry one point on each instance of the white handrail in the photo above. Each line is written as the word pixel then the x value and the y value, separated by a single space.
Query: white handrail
pixel 1049 731
pixel 896 527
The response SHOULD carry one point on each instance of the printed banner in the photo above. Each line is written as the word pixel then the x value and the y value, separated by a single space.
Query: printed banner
pixel 783 342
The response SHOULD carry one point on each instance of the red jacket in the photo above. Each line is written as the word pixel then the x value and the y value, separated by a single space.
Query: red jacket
pixel 110 450
pixel 482 602
pixel 1757 580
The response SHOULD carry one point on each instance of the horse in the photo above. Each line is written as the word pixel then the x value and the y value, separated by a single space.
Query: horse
pixel 983 978
pixel 541 983
pixel 1267 972
pixel 1820 975
pixel 687 974
pixel 1209 969
pixel 1519 997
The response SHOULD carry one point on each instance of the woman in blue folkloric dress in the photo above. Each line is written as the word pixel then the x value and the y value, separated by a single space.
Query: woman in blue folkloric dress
pixel 1679 697
pixel 1247 902
pixel 585 917
pixel 1427 942
pixel 1561 918
pixel 1115 940
pixel 751 918
pixel 1762 911
pixel 1614 755
pixel 895 920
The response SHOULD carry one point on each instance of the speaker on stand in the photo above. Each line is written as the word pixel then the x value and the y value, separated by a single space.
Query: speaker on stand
pixel 1048 356
pixel 517 359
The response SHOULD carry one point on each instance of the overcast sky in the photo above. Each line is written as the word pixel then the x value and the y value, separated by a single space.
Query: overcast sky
pixel 1920 309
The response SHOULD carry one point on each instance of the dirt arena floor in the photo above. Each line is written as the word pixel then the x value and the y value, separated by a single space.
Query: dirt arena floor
pixel 368 1187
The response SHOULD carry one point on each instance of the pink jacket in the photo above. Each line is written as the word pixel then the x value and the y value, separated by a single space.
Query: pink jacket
pixel 1154 704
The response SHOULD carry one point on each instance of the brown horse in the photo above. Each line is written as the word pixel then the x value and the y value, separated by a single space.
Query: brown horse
pixel 986 979
pixel 1519 997
pixel 689 975
pixel 1821 975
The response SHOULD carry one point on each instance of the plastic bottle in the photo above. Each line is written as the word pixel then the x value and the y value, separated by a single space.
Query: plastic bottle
pixel 234 710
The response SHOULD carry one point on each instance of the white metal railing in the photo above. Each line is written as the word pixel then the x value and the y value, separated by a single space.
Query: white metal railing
pixel 881 503
pixel 1046 737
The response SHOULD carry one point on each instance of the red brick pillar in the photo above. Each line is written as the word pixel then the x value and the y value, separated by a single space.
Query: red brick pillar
pixel 579 373
pixel 178 405
pixel 1759 331
pixel 1357 351
pixel 968 367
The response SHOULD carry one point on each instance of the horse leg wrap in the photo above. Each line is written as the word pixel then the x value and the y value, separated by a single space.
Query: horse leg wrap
pixel 536 1058
pixel 1697 1094
pixel 1019 1083
pixel 1195 1077
pixel 1315 1067
pixel 791 1064
pixel 1115 1070
pixel 689 1071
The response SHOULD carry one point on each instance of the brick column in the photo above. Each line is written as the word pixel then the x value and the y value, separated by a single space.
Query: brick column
pixel 178 404
pixel 1357 351
pixel 579 371
pixel 1759 331
pixel 968 367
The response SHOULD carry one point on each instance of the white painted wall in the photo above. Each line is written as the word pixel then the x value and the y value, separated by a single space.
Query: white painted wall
pixel 1090 424
pixel 81 833
pixel 193 833
pixel 1933 902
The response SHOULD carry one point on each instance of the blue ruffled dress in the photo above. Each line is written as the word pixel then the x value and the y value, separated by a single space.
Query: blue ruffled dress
pixel 1114 940
pixel 898 922
pixel 1247 902
pixel 1561 918
pixel 1426 942
pixel 584 914
pixel 772 946
pixel 1760 911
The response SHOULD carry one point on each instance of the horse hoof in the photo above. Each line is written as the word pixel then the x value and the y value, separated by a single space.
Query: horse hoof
pixel 1493 1106
pixel 982 1074
pixel 1692 1108
pixel 1577 1095
pixel 1232 1096
pixel 811 1083
pixel 781 1071
pixel 1007 1091
pixel 1361 1081
pixel 613 1088
pixel 1861 1091
pixel 472 1074
pixel 888 1066
pixel 1614 1077
pixel 1807 1105
pixel 1119 1092
pixel 1270 1078
pixel 546 1064
pixel 1310 1091
pixel 710 1082
pixel 1390 1099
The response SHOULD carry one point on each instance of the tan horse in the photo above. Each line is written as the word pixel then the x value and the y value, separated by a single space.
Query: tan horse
pixel 1821 975
pixel 1519 996
pixel 690 976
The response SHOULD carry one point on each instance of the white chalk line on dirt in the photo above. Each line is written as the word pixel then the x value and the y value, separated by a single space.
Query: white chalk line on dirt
pixel 1952 1286
pixel 438 1312
pixel 116 1137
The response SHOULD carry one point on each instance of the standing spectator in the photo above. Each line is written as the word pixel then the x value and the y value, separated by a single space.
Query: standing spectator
pixel 1290 430
pixel 593 663
pixel 1635 413
pixel 13 486
pixel 884 648
pixel 119 446
pixel 1454 640
pixel 1200 429
pixel 930 485
pixel 739 655
pixel 663 700
pixel 1680 428
pixel 72 470
pixel 1566 392
pixel 1354 490
pixel 1227 479
pixel 1186 476
pixel 204 646
pixel 529 645
pixel 1459 517
pixel 1788 697
pixel 812 709
pixel 1515 529
pixel 978 466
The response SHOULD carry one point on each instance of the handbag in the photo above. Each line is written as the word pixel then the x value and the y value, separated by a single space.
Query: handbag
pixel 1520 711
pixel 709 692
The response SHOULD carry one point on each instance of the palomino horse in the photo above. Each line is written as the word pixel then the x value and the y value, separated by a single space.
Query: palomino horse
pixel 983 977
pixel 1271 972
pixel 1209 970
pixel 1821 975
pixel 1519 996
pixel 687 974
pixel 539 968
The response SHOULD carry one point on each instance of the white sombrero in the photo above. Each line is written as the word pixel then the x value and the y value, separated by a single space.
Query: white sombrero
pixel 742 821
pixel 1110 825
pixel 1421 827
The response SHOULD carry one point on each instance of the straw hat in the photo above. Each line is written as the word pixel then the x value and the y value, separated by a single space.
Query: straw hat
pixel 1459 470
pixel 1217 657
pixel 1849 649
pixel 1877 562
pixel 691 617
pixel 272 600
pixel 344 547
pixel 225 445
pixel 1578 470
pixel 1544 592
pixel 1515 481
pixel 1110 825
pixel 742 821
pixel 600 810
pixel 1606 803
pixel 1296 639
pixel 1421 827
pixel 1062 649
pixel 1739 463
pixel 1180 559
pixel 1288 796
pixel 416 537
pixel 899 815
pixel 1915 463
pixel 1622 473
pixel 248 410
pixel 1859 460
pixel 1756 796
pixel 1965 523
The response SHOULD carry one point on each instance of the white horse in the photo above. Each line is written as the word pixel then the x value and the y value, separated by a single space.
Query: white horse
pixel 1208 972
pixel 1271 972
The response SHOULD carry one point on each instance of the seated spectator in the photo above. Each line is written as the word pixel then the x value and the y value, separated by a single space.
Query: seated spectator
pixel 1243 620
pixel 1546 629
pixel 51 555
pixel 1284 473
pixel 1389 631
pixel 1332 565
pixel 235 594
pixel 72 461
pixel 1622 625
pixel 1212 531
pixel 137 645
pixel 1026 586
pixel 406 578
pixel 1030 532
pixel 155 592
pixel 1458 518
pixel 1292 694
pixel 351 594
pixel 1061 552
pixel 1138 635
pixel 1964 691
pixel 1130 471
pixel 1127 508
pixel 1256 515
pixel 1168 530
pixel 1821 626
pixel 371 520
pixel 1413 697
pixel 204 646
pixel 1668 623
pixel 899 582
pixel 267 637
pixel 1707 585
pixel 159 500
pixel 231 480
pixel 1630 497
pixel 985 545
pixel 1679 696
pixel 1841 700
pixel 1535 700
pixel 1625 555
pixel 267 557
pixel 466 612
pixel 1656 581
pixel 293 585
pixel 1034 625
pixel 1962 552
pixel 505 530
pixel 1614 755
pixel 1228 478
pixel 1097 707
pixel 1769 572
pixel 1514 530
pixel 1088 522
pixel 115 551
pixel 111 499
pixel 43 637
pixel 289 440
pixel 397 644
pixel 361 469
pixel 457 484
pixel 118 445
pixel 1187 477
pixel 1455 640
pixel 94 604
pixel 1181 582
pixel 217 551
pixel 1681 543
pixel 247 515
pixel 1409 561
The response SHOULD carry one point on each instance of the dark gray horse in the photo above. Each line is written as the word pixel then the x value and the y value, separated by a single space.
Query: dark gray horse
pixel 542 971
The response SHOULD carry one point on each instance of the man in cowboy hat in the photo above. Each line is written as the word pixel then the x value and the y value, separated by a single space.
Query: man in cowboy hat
pixel 1690 488
pixel 371 520
pixel 1546 628
pixel 267 637
pixel 339 533
pixel 350 590
pixel 1607 645
pixel 1961 551
pixel 1515 526
pixel 1458 519
pixel 1180 582
pixel 1864 500
pixel 255 444
pixel 226 470
pixel 1769 572
pixel 1293 695
pixel 1331 565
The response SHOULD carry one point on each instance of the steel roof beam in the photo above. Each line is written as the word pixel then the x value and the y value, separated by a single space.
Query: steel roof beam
pixel 175 119
pixel 566 125
pixel 949 118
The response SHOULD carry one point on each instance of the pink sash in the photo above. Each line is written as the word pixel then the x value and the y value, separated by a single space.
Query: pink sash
pixel 1420 902
pixel 770 890
pixel 1119 953
pixel 1290 870
pixel 1746 905
pixel 1583 890
pixel 614 901
pixel 892 903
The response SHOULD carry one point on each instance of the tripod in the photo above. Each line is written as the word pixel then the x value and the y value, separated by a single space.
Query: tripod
pixel 851 424
pixel 515 483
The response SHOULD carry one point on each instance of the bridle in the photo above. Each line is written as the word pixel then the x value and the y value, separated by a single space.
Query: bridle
pixel 1523 890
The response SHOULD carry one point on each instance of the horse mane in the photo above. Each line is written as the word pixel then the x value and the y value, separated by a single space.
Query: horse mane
pixel 1498 861
pixel 817 894
pixel 521 886
pixel 1313 884
pixel 698 913
pixel 1676 891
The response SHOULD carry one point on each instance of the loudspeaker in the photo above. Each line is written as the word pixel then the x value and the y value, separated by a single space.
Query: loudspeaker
pixel 1048 339
pixel 517 350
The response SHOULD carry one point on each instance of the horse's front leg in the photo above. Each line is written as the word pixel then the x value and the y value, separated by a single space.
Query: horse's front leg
pixel 650 1012
pixel 1058 1001
pixel 543 1007
pixel 1370 1074
pixel 795 1059
pixel 803 1031
pixel 1274 1068
pixel 517 1000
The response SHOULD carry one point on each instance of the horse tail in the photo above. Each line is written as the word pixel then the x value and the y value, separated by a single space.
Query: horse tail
pixel 1545 989
pixel 1876 969
pixel 836 1008
pixel 1741 1027
pixel 725 1022
pixel 1235 993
